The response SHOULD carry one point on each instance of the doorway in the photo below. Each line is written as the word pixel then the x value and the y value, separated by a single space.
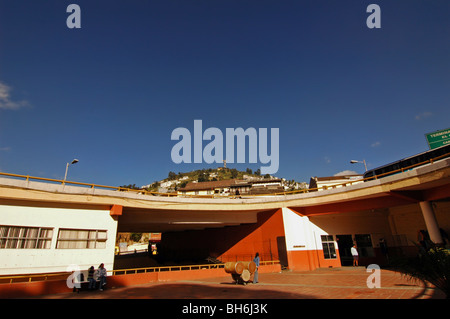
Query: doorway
pixel 345 242
pixel 282 251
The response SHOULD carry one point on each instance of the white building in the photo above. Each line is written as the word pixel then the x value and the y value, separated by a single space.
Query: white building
pixel 323 183
pixel 52 239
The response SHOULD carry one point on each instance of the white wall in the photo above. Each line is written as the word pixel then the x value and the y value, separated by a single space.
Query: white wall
pixel 300 232
pixel 26 261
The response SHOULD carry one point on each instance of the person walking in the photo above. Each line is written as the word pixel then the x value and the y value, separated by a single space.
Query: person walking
pixel 256 261
pixel 355 255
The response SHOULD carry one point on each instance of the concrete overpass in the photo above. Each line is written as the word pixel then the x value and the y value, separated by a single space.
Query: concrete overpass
pixel 161 214
pixel 242 226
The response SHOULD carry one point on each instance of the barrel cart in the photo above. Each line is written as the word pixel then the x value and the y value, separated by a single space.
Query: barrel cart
pixel 241 271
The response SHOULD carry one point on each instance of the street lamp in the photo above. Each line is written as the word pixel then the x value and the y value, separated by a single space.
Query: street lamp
pixel 67 167
pixel 363 161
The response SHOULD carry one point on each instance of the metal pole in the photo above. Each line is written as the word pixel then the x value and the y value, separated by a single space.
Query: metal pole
pixel 67 168
pixel 65 175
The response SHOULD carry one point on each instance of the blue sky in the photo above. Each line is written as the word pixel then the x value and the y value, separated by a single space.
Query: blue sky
pixel 111 93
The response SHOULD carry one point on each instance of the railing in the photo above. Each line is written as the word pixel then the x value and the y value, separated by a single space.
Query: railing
pixel 131 271
pixel 166 268
pixel 301 191
pixel 90 185
pixel 181 267
pixel 32 278
pixel 401 170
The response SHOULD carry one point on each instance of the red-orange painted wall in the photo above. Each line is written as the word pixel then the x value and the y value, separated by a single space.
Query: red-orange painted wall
pixel 37 288
pixel 29 289
pixel 306 260
pixel 228 243
pixel 264 238
pixel 267 237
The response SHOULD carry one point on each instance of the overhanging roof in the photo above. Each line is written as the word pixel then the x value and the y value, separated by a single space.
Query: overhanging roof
pixel 430 182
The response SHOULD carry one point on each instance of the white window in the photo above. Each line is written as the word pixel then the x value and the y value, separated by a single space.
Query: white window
pixel 329 250
pixel 17 237
pixel 81 239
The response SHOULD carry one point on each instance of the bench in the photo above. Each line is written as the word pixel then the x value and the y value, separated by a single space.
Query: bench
pixel 84 282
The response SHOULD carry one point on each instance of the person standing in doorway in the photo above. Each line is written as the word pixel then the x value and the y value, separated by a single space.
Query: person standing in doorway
pixel 355 255
pixel 384 249
pixel 256 261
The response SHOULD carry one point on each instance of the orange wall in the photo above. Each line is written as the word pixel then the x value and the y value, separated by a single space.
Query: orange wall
pixel 305 260
pixel 229 243
pixel 235 243
pixel 262 238
pixel 30 289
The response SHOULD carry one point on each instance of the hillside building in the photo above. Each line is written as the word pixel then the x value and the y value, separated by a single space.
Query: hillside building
pixel 323 183
pixel 231 187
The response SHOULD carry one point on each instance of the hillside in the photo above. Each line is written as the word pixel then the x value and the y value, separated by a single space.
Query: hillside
pixel 175 181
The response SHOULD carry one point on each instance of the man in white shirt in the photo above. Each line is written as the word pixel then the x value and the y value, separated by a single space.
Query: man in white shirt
pixel 355 255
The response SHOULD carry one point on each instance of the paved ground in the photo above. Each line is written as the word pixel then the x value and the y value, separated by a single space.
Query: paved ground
pixel 336 283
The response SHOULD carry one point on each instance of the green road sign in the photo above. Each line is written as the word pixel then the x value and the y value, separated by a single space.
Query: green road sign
pixel 438 138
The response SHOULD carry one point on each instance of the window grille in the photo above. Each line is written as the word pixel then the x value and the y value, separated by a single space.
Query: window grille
pixel 329 250
pixel 81 239
pixel 18 237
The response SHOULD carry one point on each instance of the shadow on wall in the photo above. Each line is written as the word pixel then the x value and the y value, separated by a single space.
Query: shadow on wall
pixel 230 243
pixel 31 289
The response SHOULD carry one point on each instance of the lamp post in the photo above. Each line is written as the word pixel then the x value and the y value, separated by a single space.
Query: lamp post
pixel 67 167
pixel 363 161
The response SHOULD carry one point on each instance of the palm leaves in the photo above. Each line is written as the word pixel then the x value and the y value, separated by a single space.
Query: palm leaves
pixel 431 265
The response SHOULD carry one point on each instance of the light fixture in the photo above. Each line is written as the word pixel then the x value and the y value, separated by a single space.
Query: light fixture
pixel 67 167
pixel 363 161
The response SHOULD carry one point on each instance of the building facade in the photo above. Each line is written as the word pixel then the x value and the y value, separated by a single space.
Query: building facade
pixel 53 239
pixel 47 228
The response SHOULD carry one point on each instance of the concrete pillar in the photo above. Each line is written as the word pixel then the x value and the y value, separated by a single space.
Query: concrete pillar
pixel 431 222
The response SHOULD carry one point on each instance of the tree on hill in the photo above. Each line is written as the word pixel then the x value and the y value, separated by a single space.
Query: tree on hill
pixel 203 177
pixel 172 176
pixel 183 184
pixel 130 186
